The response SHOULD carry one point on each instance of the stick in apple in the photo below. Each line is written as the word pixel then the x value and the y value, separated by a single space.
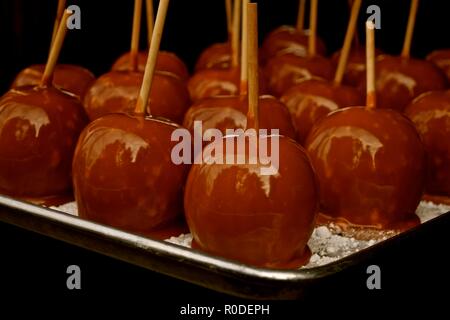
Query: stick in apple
pixel 345 52
pixel 55 50
pixel 244 49
pixel 150 19
pixel 370 62
pixel 235 34
pixel 410 29
pixel 301 16
pixel 253 82
pixel 312 28
pixel 151 60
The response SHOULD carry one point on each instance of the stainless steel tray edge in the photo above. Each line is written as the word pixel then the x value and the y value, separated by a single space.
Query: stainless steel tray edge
pixel 172 260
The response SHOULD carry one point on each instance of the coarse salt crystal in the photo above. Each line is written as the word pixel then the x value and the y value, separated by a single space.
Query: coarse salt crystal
pixel 326 242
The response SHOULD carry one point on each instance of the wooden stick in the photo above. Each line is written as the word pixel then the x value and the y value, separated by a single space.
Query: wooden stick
pixel 235 34
pixel 356 35
pixel 151 60
pixel 253 83
pixel 244 49
pixel 301 16
pixel 135 34
pixel 229 18
pixel 312 28
pixel 370 62
pixel 150 19
pixel 59 14
pixel 55 50
pixel 345 52
pixel 410 29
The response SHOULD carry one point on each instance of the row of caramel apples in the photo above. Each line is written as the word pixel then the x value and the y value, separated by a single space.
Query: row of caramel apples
pixel 111 139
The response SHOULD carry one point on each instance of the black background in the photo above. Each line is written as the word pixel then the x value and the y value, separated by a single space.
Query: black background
pixel 32 267
pixel 26 28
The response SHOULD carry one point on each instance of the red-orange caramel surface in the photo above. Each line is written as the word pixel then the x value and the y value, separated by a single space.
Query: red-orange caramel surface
pixel 311 100
pixel 124 175
pixel 399 80
pixel 284 71
pixel 71 78
pixel 371 166
pixel 39 128
pixel 430 112
pixel 117 91
pixel 355 73
pixel 218 82
pixel 229 112
pixel 166 61
pixel 265 220
pixel 287 39
pixel 216 56
pixel 441 58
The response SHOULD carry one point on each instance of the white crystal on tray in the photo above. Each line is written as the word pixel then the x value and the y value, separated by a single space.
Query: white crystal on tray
pixel 326 242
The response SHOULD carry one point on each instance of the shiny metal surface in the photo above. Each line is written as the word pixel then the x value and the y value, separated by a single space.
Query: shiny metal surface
pixel 182 263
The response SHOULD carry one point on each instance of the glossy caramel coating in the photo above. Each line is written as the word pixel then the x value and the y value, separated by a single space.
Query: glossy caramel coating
pixel 355 71
pixel 430 112
pixel 441 58
pixel 230 112
pixel 166 61
pixel 71 78
pixel 117 91
pixel 400 80
pixel 218 82
pixel 263 220
pixel 39 128
pixel 287 39
pixel 371 166
pixel 285 71
pixel 124 176
pixel 211 82
pixel 217 56
pixel 311 100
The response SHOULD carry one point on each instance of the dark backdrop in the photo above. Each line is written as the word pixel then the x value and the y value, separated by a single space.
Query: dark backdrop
pixel 26 26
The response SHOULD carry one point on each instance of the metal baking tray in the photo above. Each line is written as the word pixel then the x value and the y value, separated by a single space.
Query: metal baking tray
pixel 193 266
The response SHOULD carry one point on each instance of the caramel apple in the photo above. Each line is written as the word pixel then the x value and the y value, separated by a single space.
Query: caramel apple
pixel 117 91
pixel 39 128
pixel 311 100
pixel 289 39
pixel 123 172
pixel 216 56
pixel 441 58
pixel 355 72
pixel 285 70
pixel 67 77
pixel 219 55
pixel 240 212
pixel 401 79
pixel 136 61
pixel 370 162
pixel 212 82
pixel 229 112
pixel 167 61
pixel 430 112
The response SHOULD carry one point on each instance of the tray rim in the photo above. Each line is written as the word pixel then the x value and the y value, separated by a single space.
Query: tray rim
pixel 179 254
